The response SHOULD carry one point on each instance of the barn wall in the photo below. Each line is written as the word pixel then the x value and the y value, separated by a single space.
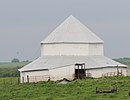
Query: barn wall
pixel 64 49
pixel 35 76
pixel 105 70
pixel 72 49
pixel 22 74
pixel 61 73
pixel 128 71
pixel 95 49
pixel 96 73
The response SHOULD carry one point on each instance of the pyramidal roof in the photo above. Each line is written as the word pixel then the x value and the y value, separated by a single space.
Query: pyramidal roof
pixel 72 31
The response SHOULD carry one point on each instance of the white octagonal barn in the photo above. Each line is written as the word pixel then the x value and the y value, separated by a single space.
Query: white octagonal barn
pixel 71 51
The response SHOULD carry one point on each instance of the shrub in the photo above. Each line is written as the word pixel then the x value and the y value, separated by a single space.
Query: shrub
pixel 15 60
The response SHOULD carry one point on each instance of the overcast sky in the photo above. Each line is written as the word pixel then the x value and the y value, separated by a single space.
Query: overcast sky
pixel 24 23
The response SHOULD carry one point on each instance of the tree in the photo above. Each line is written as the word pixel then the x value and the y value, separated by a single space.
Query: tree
pixel 15 60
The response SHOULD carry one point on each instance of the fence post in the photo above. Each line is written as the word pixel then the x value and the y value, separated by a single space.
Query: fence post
pixel 22 79
pixel 27 79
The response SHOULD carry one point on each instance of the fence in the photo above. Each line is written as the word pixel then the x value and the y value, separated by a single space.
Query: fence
pixel 34 79
pixel 38 78
pixel 112 74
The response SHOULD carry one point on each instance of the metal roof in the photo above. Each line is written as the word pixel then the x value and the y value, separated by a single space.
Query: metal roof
pixel 72 31
pixel 50 62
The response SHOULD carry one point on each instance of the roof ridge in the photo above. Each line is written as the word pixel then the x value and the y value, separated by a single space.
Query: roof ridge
pixel 72 30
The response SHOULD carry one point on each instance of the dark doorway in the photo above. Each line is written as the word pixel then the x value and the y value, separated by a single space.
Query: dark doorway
pixel 80 71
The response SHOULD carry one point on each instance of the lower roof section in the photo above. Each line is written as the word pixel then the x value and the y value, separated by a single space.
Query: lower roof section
pixel 51 62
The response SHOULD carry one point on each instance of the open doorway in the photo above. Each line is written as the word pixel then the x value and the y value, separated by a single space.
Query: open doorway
pixel 80 72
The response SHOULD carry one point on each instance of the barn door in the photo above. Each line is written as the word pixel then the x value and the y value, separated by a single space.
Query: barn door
pixel 80 71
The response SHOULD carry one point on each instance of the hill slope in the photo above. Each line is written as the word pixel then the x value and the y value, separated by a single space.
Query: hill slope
pixel 9 69
pixel 76 90
pixel 125 61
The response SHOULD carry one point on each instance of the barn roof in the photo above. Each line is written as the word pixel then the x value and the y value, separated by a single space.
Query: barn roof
pixel 72 31
pixel 50 62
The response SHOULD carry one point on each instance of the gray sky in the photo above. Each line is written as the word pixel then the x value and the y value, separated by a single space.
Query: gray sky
pixel 24 23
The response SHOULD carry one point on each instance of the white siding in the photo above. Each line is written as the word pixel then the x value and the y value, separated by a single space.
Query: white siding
pixel 22 75
pixel 96 73
pixel 35 76
pixel 64 49
pixel 67 72
pixel 128 71
pixel 71 49
pixel 61 73
pixel 96 49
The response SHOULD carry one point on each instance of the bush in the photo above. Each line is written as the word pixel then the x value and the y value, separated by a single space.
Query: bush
pixel 9 72
pixel 15 60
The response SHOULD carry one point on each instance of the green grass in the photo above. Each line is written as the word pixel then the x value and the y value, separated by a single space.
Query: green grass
pixel 8 81
pixel 11 69
pixel 12 65
pixel 125 61
pixel 76 90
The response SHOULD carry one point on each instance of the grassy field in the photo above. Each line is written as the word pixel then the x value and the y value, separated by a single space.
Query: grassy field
pixel 12 65
pixel 125 61
pixel 9 69
pixel 76 90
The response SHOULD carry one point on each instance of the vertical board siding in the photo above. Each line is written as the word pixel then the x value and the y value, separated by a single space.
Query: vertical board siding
pixel 72 49
pixel 35 76
pixel 96 73
pixel 64 49
pixel 61 73
pixel 96 49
